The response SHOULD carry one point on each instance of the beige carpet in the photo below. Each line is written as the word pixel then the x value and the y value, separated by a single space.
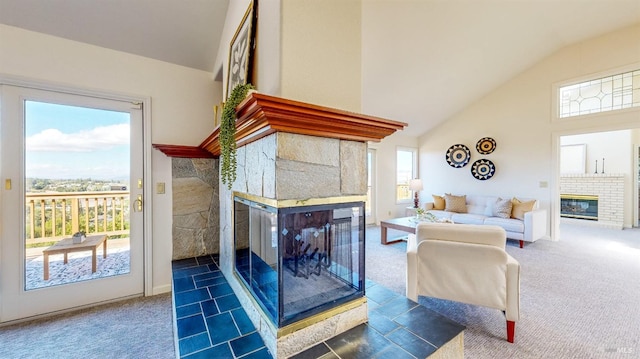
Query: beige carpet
pixel 135 328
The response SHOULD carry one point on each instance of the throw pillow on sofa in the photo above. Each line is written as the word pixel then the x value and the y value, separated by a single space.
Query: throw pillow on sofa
pixel 456 204
pixel 520 208
pixel 438 202
pixel 502 208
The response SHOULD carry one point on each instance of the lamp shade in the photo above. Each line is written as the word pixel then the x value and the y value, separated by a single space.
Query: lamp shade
pixel 415 185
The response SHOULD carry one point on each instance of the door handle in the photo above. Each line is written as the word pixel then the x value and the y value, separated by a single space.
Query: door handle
pixel 137 204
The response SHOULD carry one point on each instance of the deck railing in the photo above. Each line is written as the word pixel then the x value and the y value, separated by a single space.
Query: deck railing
pixel 53 216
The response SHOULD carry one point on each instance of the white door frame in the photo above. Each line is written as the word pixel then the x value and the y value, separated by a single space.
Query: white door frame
pixel 145 102
pixel 636 186
pixel 371 219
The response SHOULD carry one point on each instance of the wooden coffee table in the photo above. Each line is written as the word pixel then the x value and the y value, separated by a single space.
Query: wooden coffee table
pixel 67 246
pixel 405 224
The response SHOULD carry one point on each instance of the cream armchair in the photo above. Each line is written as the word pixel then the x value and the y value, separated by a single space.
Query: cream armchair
pixel 464 263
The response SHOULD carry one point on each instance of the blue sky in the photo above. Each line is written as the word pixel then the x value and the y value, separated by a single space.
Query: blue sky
pixel 66 142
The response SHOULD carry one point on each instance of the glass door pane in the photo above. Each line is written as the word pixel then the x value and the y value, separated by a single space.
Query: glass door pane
pixel 76 194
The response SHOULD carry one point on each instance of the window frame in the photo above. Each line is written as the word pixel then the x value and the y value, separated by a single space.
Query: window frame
pixel 414 173
pixel 556 102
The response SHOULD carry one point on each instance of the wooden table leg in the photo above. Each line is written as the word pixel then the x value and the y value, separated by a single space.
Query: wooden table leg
pixel 46 266
pixel 66 258
pixel 383 234
pixel 93 260
pixel 104 249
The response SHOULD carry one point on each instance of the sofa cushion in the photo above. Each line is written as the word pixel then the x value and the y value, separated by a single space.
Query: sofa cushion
pixel 502 208
pixel 456 204
pixel 509 224
pixel 441 214
pixel 468 218
pixel 438 202
pixel 519 208
pixel 480 204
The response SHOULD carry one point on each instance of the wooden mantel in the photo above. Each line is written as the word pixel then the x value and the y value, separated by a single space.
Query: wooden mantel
pixel 260 115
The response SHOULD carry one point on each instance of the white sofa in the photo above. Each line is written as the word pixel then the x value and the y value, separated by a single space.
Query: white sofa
pixel 481 210
pixel 467 264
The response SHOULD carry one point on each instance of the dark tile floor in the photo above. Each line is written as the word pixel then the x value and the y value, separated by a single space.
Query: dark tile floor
pixel 211 323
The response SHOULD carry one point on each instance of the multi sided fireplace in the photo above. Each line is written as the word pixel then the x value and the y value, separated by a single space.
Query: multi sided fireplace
pixel 579 206
pixel 299 261
pixel 292 224
pixel 292 251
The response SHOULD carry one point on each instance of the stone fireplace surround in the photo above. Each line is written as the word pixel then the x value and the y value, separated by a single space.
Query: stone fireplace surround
pixel 290 166
pixel 306 155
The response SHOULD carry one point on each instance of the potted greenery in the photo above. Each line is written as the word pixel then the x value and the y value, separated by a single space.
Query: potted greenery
pixel 227 136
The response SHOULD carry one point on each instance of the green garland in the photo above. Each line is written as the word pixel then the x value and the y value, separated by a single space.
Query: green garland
pixel 227 137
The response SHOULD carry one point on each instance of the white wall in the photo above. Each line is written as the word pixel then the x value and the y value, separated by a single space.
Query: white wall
pixel 613 146
pixel 181 104
pixel 378 72
pixel 267 69
pixel 321 50
pixel 519 116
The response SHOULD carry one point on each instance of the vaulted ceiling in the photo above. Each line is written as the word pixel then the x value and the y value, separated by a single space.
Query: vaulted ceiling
pixel 471 46
pixel 183 32
pixel 441 56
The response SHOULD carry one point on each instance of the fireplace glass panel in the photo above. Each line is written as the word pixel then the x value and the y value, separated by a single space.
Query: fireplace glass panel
pixel 579 206
pixel 300 261
pixel 256 241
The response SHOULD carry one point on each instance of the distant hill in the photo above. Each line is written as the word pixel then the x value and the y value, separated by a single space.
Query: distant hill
pixel 73 185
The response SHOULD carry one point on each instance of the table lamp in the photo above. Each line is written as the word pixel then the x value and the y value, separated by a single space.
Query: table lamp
pixel 415 185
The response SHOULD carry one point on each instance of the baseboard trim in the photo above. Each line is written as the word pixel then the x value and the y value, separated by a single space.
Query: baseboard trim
pixel 161 289
pixel 68 310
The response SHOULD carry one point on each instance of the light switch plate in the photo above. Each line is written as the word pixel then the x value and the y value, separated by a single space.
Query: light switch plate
pixel 160 187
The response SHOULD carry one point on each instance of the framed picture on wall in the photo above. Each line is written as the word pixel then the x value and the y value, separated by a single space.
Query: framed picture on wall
pixel 241 51
pixel 573 158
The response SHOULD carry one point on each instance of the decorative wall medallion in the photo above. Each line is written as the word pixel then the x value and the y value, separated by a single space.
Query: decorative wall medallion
pixel 458 156
pixel 483 169
pixel 486 145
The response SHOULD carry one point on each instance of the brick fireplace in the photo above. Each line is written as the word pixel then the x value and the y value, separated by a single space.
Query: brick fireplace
pixel 605 189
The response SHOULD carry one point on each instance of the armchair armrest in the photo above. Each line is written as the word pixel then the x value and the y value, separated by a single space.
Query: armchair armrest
pixel 412 268
pixel 535 225
pixel 512 311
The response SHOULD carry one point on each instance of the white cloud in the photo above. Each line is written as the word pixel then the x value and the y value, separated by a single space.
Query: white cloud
pixel 99 138
pixel 62 171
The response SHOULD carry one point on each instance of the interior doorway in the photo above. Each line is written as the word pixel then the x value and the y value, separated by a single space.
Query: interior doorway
pixel 596 158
